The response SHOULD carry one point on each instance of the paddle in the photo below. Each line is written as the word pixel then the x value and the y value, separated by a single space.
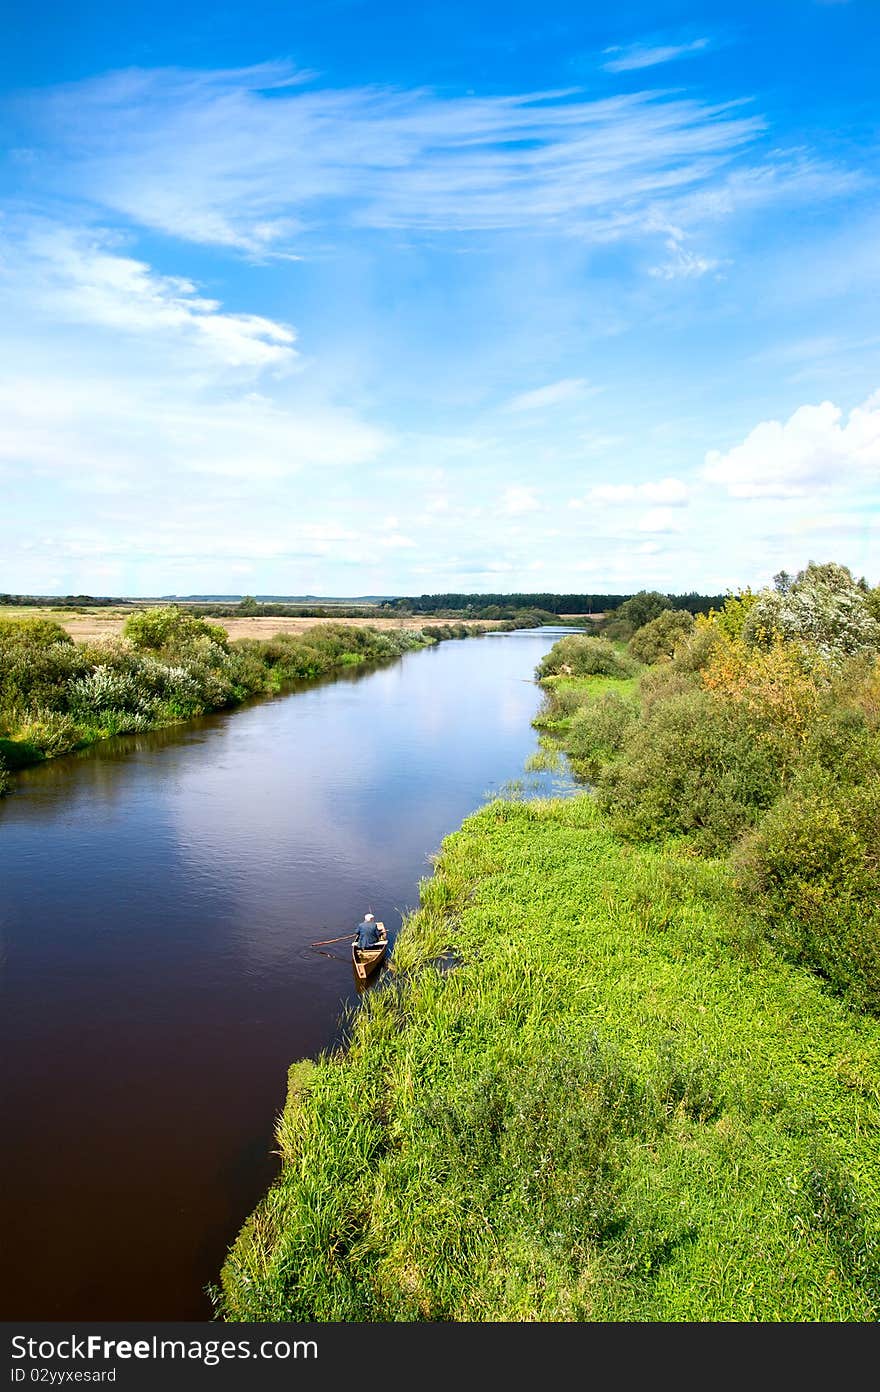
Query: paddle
pixel 324 941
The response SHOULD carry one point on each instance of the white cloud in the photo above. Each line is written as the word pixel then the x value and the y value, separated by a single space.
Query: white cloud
pixel 670 492
pixel 107 435
pixel 76 275
pixel 813 449
pixel 555 394
pixel 211 157
pixel 517 501
pixel 637 56
pixel 660 520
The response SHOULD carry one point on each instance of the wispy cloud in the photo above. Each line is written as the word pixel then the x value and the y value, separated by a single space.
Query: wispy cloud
pixel 669 492
pixel 641 55
pixel 213 157
pixel 554 394
pixel 519 500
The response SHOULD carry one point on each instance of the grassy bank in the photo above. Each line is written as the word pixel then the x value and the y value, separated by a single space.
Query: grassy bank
pixel 621 1104
pixel 648 1088
pixel 57 695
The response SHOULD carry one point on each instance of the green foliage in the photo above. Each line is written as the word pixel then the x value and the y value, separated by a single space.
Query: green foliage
pixel 614 1108
pixel 56 695
pixel 823 606
pixel 811 872
pixel 657 640
pixel 169 626
pixel 597 731
pixel 692 766
pixel 580 656
pixel 761 737
pixel 641 608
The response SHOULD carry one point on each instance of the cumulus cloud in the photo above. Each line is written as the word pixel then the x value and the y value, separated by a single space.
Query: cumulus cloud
pixel 816 448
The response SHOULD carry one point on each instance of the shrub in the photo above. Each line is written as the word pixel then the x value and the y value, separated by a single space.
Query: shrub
pixel 45 734
pixel 659 638
pixel 578 656
pixel 37 659
pixel 597 731
pixel 823 606
pixel 810 871
pixel 692 765
pixel 169 626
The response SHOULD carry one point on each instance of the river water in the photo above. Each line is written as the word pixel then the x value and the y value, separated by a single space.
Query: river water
pixel 158 895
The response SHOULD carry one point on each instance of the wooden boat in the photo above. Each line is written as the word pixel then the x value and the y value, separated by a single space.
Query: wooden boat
pixel 367 959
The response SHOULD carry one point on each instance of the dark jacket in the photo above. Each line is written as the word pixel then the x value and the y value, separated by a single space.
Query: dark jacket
pixel 367 934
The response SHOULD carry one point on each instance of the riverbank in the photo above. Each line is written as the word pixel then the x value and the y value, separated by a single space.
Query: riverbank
pixel 167 667
pixel 620 1104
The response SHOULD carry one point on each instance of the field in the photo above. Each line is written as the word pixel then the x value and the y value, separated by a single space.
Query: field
pixel 92 624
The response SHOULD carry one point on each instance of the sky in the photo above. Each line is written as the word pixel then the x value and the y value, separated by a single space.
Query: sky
pixel 345 298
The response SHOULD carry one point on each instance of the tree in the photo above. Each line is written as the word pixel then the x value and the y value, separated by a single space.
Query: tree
pixel 169 626
pixel 823 606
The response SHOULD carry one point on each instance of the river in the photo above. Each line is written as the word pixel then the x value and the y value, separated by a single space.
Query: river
pixel 158 895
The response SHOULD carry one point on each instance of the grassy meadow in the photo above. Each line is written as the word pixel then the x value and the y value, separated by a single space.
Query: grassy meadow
pixel 626 1064
pixel 620 1104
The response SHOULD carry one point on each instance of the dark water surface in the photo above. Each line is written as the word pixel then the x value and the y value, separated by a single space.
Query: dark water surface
pixel 157 897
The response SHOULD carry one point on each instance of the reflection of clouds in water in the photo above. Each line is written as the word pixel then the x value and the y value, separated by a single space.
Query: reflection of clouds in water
pixel 308 807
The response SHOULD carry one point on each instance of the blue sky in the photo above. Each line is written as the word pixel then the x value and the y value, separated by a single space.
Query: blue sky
pixel 345 298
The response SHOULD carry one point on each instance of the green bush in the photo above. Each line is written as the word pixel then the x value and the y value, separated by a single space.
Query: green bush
pixel 168 626
pixel 56 694
pixel 692 766
pixel 658 639
pixel 597 732
pixel 579 656
pixel 810 871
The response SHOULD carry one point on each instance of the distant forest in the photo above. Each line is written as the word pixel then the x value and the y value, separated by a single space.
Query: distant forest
pixel 479 604
pixel 475 606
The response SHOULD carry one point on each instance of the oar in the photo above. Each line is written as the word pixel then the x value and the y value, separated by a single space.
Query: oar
pixel 325 941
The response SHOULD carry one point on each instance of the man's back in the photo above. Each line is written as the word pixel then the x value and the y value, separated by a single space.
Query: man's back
pixel 367 933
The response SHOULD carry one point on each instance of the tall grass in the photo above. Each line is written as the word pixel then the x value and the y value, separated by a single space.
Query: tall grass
pixel 620 1105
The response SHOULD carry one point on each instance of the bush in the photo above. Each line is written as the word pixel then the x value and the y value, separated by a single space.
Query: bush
pixel 597 731
pixel 824 606
pixel 658 639
pixel 810 871
pixel 169 626
pixel 692 766
pixel 578 656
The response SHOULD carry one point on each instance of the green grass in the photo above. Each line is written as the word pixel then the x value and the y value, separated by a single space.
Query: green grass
pixel 619 1105
pixel 566 695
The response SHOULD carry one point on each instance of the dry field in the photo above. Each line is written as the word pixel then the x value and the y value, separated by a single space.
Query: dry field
pixel 105 623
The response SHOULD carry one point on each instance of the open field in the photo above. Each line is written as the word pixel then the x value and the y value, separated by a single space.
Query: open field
pixel 106 623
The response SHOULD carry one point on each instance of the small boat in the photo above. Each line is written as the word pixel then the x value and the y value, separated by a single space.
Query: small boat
pixel 367 959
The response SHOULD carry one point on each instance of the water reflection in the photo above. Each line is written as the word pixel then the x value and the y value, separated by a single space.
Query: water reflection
pixel 158 897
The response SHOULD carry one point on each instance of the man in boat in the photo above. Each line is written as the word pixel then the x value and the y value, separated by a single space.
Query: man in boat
pixel 367 933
